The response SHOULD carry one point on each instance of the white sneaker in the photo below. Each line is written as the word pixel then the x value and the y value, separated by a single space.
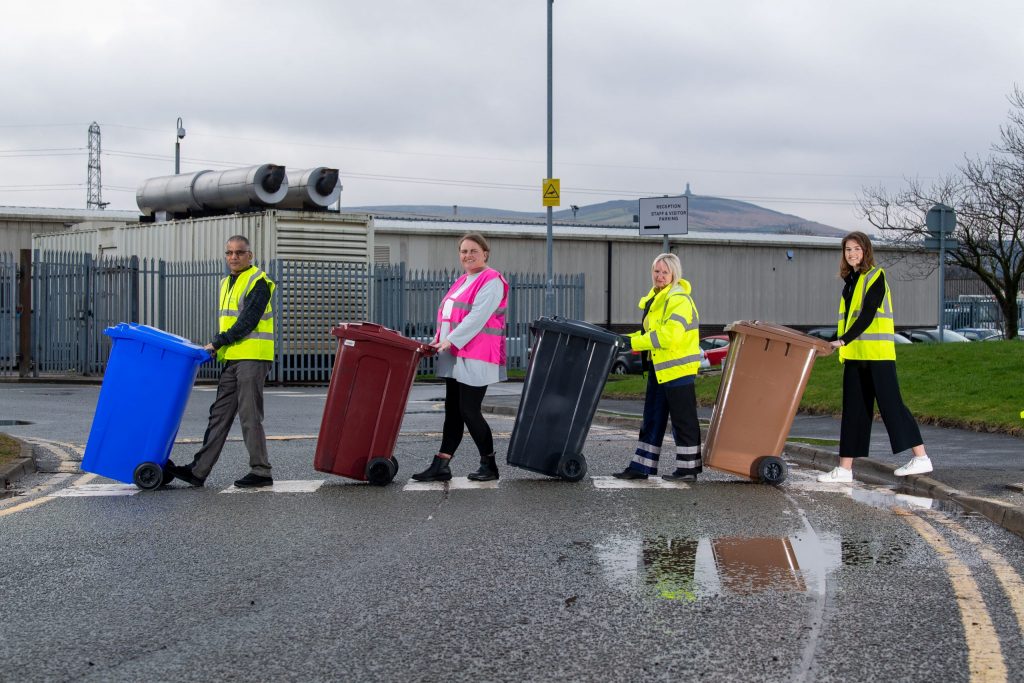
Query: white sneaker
pixel 915 466
pixel 838 475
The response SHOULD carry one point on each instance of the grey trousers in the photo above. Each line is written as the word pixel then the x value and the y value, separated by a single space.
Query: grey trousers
pixel 239 391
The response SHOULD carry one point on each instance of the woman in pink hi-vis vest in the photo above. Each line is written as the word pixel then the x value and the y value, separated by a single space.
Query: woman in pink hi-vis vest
pixel 470 343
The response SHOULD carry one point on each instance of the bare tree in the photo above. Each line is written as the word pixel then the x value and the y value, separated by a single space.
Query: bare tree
pixel 988 197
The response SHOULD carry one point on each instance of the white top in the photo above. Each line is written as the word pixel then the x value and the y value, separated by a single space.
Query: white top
pixel 475 373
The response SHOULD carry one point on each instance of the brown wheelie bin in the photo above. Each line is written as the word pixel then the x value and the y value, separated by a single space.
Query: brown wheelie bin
pixel 765 374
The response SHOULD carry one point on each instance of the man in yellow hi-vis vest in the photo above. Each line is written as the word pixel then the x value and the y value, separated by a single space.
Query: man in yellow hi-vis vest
pixel 245 343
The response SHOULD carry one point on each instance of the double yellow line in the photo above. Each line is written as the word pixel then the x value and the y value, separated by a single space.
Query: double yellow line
pixel 984 654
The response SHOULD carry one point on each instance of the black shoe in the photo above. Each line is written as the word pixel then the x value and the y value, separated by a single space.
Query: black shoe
pixel 678 475
pixel 488 470
pixel 630 473
pixel 254 481
pixel 185 474
pixel 438 471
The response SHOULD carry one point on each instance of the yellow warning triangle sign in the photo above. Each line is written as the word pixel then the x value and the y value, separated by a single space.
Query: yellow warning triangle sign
pixel 551 192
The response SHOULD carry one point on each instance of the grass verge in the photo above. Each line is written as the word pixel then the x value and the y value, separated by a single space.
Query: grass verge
pixel 974 386
pixel 9 449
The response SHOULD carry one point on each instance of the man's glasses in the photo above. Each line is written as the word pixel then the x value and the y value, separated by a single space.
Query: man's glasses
pixel 240 252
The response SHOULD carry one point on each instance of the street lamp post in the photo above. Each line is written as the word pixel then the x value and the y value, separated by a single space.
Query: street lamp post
pixel 177 147
pixel 549 290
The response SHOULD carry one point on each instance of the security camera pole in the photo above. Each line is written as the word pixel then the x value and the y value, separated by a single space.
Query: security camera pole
pixel 177 147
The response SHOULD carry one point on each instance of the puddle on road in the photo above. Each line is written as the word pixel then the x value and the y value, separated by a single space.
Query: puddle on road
pixel 685 569
pixel 688 568
pixel 13 423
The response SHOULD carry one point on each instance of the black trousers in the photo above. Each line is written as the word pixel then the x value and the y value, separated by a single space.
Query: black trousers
pixel 866 382
pixel 462 410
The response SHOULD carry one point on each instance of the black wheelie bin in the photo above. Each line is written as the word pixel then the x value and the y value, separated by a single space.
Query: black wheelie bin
pixel 569 364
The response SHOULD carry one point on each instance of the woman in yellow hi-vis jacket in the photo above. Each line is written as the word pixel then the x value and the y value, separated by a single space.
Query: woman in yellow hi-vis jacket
pixel 671 335
pixel 864 339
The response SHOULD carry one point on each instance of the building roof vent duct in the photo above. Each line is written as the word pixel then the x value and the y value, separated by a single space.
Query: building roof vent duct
pixel 314 188
pixel 170 193
pixel 242 188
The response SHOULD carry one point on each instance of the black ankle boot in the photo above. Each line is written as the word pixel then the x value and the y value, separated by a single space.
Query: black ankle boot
pixel 438 471
pixel 488 469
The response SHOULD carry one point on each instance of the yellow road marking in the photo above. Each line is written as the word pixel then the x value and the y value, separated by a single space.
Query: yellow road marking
pixel 984 656
pixel 1007 576
pixel 26 505
pixel 42 499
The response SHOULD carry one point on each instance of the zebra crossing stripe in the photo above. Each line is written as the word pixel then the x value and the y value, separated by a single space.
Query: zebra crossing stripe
pixel 95 490
pixel 652 482
pixel 293 486
pixel 455 484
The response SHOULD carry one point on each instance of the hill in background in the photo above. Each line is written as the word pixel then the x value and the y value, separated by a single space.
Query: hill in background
pixel 707 214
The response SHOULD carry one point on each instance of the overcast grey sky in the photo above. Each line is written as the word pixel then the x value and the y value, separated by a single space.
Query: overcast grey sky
pixel 791 104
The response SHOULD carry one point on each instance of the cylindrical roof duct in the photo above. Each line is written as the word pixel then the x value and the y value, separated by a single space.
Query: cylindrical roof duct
pixel 171 193
pixel 314 188
pixel 241 188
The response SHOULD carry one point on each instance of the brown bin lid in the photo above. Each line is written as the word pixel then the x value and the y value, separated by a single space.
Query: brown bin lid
pixel 780 333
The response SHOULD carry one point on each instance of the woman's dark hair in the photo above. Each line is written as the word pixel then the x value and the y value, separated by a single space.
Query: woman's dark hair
pixel 869 254
pixel 479 239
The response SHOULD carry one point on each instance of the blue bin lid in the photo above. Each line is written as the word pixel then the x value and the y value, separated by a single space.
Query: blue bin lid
pixel 156 337
pixel 577 328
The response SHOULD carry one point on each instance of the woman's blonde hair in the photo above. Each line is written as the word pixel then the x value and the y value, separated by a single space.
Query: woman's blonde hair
pixel 673 264
pixel 869 254
pixel 479 239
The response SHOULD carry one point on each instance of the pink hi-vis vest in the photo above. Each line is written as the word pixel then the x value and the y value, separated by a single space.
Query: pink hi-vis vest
pixel 489 344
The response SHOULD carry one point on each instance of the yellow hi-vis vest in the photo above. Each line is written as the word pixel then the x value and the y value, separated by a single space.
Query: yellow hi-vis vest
pixel 671 332
pixel 876 343
pixel 258 344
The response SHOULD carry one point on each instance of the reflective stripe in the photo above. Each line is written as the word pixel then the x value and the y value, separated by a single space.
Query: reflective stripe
pixel 645 462
pixel 493 330
pixel 655 342
pixel 687 450
pixel 877 337
pixel 678 361
pixel 241 297
pixel 231 312
pixel 260 335
pixel 886 316
pixel 500 310
pixel 688 464
pixel 680 319
pixel 462 305
pixel 648 448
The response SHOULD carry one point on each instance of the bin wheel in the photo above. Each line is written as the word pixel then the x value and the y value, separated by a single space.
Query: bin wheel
pixel 572 467
pixel 380 471
pixel 148 476
pixel 772 470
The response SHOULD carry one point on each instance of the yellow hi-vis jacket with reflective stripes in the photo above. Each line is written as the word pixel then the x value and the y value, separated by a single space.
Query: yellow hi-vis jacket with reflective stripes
pixel 258 344
pixel 876 343
pixel 671 332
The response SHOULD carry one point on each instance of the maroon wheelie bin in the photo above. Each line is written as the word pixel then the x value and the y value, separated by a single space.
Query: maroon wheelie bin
pixel 373 372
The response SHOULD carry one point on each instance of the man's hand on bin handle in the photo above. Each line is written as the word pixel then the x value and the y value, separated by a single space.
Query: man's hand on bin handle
pixel 627 341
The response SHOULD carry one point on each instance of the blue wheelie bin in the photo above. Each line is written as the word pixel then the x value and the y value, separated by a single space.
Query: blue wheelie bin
pixel 569 364
pixel 145 389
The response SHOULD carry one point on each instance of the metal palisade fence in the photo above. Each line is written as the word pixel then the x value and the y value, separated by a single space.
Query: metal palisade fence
pixel 75 296
pixel 9 313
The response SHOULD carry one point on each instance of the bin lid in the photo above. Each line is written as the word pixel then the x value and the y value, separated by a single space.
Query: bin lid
pixel 577 328
pixel 781 333
pixel 366 331
pixel 157 337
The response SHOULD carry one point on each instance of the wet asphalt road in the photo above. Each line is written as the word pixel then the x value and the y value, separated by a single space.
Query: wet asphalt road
pixel 534 579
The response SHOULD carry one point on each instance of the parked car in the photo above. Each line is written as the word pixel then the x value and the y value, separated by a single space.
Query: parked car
pixel 627 362
pixel 931 336
pixel 716 346
pixel 979 333
pixel 825 333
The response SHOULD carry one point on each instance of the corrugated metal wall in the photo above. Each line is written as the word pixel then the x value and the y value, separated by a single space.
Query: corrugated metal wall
pixel 732 279
pixel 273 234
